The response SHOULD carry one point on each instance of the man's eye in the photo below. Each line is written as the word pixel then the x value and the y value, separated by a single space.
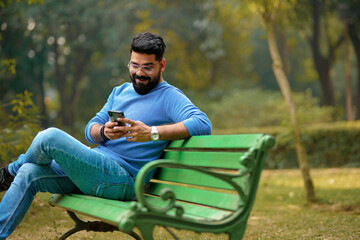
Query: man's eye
pixel 147 68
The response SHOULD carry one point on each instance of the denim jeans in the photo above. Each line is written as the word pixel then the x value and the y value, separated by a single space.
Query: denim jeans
pixel 58 163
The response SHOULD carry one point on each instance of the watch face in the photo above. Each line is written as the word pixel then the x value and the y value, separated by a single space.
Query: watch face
pixel 154 134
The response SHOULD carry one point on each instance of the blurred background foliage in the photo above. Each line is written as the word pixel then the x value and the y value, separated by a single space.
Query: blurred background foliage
pixel 59 61
pixel 23 124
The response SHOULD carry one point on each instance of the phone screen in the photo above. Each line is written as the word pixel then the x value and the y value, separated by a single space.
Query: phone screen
pixel 114 115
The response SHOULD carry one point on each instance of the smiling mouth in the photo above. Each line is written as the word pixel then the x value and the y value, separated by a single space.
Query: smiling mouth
pixel 141 79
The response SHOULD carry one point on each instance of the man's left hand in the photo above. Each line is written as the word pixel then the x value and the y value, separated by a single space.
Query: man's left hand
pixel 136 131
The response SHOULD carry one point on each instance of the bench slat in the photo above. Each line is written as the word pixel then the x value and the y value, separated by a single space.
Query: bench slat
pixel 193 211
pixel 229 160
pixel 217 141
pixel 221 200
pixel 109 211
pixel 195 178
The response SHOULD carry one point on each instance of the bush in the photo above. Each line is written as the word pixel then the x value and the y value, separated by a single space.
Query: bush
pixel 258 108
pixel 21 129
pixel 328 145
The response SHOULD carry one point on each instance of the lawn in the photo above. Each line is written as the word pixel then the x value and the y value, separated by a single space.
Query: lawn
pixel 280 211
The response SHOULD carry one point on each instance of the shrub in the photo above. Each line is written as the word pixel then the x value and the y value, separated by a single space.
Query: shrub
pixel 327 145
pixel 258 108
pixel 22 127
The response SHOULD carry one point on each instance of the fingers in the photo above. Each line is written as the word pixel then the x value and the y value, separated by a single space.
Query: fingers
pixel 113 134
pixel 126 120
pixel 133 131
pixel 112 131
pixel 110 124
pixel 116 126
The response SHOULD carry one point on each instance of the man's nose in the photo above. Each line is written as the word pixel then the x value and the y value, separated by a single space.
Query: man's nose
pixel 141 71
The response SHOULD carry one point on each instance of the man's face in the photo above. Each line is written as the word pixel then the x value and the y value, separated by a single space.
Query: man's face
pixel 145 72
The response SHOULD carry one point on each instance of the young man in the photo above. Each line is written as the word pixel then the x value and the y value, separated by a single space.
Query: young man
pixel 155 113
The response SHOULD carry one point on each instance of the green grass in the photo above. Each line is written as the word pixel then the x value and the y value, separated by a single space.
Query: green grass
pixel 280 211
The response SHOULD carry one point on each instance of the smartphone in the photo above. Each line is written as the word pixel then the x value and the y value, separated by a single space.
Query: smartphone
pixel 114 115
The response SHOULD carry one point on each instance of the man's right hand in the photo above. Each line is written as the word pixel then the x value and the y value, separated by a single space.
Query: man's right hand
pixel 112 132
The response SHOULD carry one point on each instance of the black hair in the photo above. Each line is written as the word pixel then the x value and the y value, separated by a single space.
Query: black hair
pixel 149 43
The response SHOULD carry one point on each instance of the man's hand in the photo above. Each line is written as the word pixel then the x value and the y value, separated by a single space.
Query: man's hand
pixel 112 130
pixel 137 131
pixel 134 131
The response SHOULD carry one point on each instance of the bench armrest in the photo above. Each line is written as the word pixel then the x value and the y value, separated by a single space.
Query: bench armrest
pixel 251 163
pixel 168 194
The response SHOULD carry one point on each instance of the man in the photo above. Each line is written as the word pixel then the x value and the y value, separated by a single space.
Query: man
pixel 155 113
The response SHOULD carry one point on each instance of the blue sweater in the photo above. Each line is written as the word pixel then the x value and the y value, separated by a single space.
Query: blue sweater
pixel 165 104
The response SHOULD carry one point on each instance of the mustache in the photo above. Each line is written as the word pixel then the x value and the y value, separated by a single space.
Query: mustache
pixel 141 77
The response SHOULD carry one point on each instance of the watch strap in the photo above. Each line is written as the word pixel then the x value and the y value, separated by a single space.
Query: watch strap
pixel 103 134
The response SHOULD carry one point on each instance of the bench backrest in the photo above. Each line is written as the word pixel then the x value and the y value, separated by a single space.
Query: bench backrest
pixel 237 158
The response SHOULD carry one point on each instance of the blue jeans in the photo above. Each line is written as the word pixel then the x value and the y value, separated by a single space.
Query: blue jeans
pixel 58 163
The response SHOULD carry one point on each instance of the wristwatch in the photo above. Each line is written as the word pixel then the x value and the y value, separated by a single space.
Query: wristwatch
pixel 154 134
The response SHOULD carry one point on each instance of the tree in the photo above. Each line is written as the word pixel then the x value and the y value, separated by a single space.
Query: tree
pixel 14 41
pixel 324 40
pixel 66 48
pixel 206 44
pixel 354 33
pixel 271 13
pixel 8 62
pixel 72 32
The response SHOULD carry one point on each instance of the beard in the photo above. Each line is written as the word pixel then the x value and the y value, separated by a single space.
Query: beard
pixel 142 88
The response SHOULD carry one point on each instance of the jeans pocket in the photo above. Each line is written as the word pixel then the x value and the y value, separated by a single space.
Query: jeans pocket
pixel 110 190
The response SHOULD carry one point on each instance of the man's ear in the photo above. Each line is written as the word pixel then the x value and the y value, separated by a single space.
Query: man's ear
pixel 162 64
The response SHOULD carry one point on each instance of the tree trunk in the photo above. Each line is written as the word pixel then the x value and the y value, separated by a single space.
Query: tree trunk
pixel 82 61
pixel 348 75
pixel 356 44
pixel 41 92
pixel 322 64
pixel 284 49
pixel 283 83
pixel 60 84
pixel 68 91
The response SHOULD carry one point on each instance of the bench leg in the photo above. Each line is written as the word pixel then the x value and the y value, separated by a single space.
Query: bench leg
pixel 69 233
pixel 95 226
pixel 171 233
pixel 237 234
pixel 146 230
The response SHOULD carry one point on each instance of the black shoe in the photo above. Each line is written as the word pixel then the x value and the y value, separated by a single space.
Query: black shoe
pixel 5 179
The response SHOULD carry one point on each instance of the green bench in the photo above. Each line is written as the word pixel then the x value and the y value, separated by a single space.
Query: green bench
pixel 202 184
